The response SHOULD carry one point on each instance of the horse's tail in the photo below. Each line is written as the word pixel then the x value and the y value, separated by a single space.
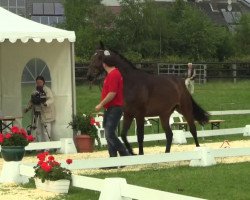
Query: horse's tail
pixel 199 114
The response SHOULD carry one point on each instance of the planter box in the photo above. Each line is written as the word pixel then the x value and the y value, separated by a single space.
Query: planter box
pixel 60 186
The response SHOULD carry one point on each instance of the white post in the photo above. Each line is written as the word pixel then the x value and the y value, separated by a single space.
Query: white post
pixel 112 189
pixel 207 159
pixel 247 130
pixel 68 146
pixel 179 137
pixel 11 173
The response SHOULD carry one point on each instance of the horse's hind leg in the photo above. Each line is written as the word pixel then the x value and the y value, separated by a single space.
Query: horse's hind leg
pixel 127 120
pixel 193 131
pixel 186 109
pixel 168 132
pixel 190 120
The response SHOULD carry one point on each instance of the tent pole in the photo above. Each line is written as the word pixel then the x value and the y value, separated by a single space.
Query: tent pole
pixel 1 85
pixel 72 52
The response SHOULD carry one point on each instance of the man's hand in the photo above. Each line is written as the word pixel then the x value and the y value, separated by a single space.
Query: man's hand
pixel 98 107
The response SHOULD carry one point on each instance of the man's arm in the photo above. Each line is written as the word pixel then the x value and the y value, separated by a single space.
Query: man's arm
pixel 110 96
pixel 194 74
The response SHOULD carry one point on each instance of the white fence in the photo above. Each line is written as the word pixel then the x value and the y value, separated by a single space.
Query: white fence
pixel 117 188
pixel 179 134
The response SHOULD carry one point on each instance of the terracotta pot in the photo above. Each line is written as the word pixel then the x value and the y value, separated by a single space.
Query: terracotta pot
pixel 12 153
pixel 84 143
pixel 59 186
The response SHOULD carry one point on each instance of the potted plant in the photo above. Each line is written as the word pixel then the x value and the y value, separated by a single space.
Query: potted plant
pixel 85 131
pixel 50 175
pixel 13 143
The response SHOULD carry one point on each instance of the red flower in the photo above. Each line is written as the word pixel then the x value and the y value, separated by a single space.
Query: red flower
pixel 14 129
pixel 92 121
pixel 41 156
pixel 40 162
pixel 51 158
pixel 54 163
pixel 8 135
pixel 23 132
pixel 46 167
pixel 30 138
pixel 69 161
pixel 97 124
pixel 1 138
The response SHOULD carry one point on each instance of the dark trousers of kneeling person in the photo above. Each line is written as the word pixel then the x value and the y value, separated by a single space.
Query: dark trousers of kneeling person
pixel 111 119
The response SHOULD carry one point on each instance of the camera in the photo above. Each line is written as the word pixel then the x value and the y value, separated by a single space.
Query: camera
pixel 38 97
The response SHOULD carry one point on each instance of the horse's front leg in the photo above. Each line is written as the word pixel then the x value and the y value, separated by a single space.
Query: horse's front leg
pixel 140 134
pixel 168 132
pixel 127 120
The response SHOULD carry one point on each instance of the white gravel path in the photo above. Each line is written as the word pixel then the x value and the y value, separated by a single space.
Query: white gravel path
pixel 12 191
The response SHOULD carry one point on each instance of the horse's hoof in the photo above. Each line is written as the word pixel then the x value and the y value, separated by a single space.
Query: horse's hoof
pixel 132 153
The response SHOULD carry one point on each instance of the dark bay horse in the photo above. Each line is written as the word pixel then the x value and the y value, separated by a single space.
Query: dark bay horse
pixel 148 95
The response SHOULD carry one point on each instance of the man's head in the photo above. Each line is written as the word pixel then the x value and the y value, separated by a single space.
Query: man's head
pixel 108 59
pixel 190 65
pixel 40 81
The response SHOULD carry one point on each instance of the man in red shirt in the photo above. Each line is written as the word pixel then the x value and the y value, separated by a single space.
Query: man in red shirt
pixel 112 102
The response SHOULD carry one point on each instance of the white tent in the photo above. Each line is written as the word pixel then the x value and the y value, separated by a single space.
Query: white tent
pixel 22 40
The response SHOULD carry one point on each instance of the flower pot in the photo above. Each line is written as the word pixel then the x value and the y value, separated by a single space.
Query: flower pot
pixel 12 153
pixel 84 143
pixel 59 186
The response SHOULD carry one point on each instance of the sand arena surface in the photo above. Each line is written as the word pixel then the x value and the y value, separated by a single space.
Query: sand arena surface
pixel 13 191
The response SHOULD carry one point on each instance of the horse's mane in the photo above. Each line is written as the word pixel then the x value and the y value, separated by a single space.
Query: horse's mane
pixel 124 59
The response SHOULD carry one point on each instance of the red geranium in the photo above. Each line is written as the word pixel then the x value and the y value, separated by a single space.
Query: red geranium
pixel 69 161
pixel 48 168
pixel 85 124
pixel 16 137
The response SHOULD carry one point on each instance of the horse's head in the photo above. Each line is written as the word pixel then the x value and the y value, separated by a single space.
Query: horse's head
pixel 96 64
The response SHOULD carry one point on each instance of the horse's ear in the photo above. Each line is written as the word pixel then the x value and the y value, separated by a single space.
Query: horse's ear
pixel 101 45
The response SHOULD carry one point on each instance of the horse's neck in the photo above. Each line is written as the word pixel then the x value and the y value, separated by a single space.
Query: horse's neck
pixel 125 68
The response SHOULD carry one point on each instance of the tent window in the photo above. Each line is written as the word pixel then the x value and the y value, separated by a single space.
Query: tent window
pixel 37 8
pixel 34 68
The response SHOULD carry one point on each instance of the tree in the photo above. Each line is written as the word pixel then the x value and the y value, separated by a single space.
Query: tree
pixel 89 19
pixel 242 39
pixel 147 29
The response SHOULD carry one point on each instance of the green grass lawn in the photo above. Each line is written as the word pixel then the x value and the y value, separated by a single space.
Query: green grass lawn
pixel 222 181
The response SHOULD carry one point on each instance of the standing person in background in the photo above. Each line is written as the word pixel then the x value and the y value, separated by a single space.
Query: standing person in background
pixel 112 102
pixel 43 110
pixel 190 78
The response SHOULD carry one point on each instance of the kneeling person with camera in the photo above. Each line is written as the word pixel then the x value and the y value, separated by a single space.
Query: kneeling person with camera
pixel 43 110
